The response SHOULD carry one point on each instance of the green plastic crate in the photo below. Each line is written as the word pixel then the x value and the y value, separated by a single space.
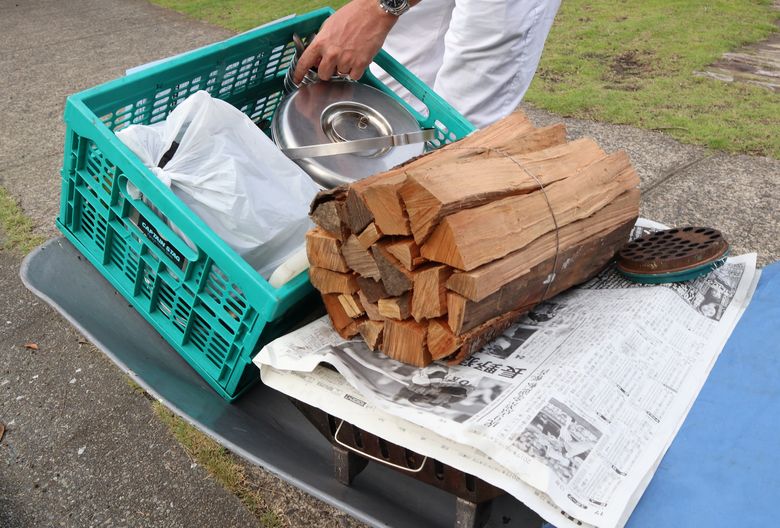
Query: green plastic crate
pixel 211 306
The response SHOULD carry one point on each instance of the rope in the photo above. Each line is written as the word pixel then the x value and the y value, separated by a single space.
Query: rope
pixel 546 198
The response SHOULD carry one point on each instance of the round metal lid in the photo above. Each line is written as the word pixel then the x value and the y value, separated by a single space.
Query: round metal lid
pixel 336 111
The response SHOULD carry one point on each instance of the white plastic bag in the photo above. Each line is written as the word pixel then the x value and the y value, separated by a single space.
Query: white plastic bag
pixel 231 175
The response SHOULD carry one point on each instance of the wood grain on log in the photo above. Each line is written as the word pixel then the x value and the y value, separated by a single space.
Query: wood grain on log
pixel 372 309
pixel 489 278
pixel 342 323
pixel 435 192
pixel 573 266
pixel 467 239
pixel 441 341
pixel 372 289
pixel 396 307
pixel 328 211
pixel 371 331
pixel 369 236
pixel 324 251
pixel 359 259
pixel 327 281
pixel 405 341
pixel 429 299
pixel 359 215
pixel 407 252
pixel 352 305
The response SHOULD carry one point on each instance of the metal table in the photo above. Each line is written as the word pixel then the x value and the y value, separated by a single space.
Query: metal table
pixel 734 478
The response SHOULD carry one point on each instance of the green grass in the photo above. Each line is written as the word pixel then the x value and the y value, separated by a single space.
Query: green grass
pixel 17 229
pixel 221 464
pixel 240 15
pixel 632 62
pixel 619 61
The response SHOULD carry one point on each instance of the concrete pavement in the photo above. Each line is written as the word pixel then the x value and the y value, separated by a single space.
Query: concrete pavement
pixel 90 451
pixel 82 448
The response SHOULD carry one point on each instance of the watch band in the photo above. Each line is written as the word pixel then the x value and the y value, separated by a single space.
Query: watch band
pixel 394 10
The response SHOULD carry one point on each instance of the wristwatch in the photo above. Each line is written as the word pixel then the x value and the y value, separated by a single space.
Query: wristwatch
pixel 394 7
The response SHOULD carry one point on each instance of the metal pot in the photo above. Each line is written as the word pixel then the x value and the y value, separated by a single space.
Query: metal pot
pixel 351 131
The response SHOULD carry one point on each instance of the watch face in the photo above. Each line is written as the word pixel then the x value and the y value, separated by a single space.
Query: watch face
pixel 394 4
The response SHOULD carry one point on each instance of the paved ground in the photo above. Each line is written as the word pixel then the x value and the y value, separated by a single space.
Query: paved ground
pixel 757 64
pixel 82 448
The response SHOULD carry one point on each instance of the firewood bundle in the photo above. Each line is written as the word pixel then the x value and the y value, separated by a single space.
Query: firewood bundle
pixel 434 258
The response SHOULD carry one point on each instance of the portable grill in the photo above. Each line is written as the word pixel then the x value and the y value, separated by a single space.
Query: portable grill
pixel 353 448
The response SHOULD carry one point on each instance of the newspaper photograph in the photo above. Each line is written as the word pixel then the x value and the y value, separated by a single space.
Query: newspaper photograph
pixel 570 410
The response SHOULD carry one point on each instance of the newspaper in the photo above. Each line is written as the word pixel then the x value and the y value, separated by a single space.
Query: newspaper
pixel 570 410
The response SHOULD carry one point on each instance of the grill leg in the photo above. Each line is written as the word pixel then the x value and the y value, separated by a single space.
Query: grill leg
pixel 347 465
pixel 471 514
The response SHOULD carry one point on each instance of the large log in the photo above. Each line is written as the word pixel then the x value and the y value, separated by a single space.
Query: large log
pixel 572 266
pixel 446 251
pixel 467 239
pixel 489 278
pixel 385 197
pixel 435 192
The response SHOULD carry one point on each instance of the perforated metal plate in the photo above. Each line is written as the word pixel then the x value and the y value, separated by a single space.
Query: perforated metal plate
pixel 673 254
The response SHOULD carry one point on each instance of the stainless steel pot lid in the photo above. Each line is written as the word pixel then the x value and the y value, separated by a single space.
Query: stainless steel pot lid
pixel 339 111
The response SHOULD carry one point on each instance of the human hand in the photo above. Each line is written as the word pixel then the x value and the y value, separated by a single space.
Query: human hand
pixel 347 42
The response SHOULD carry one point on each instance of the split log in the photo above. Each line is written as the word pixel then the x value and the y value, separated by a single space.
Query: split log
pixel 352 305
pixel 371 331
pixel 395 278
pixel 430 293
pixel 470 238
pixel 396 307
pixel 359 259
pixel 407 252
pixel 443 253
pixel 324 251
pixel 386 201
pixel 441 341
pixel 372 289
pixel 371 308
pixel 327 281
pixel 405 342
pixel 342 323
pixel 572 266
pixel 369 236
pixel 329 212
pixel 383 198
pixel 433 193
pixel 477 284
pixel 534 140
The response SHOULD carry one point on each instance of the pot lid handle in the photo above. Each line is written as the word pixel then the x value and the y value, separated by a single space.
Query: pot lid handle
pixel 359 145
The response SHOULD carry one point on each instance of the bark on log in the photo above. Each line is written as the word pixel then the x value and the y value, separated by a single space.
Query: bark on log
pixel 590 257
